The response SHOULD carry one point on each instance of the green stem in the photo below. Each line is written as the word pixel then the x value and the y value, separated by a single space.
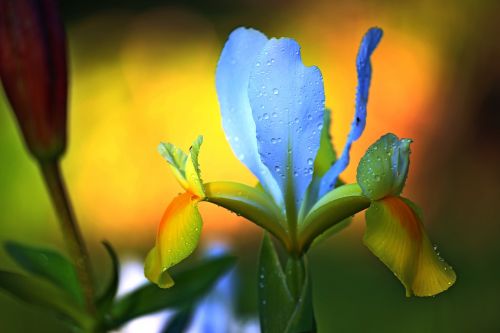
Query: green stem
pixel 74 241
pixel 299 284
pixel 295 273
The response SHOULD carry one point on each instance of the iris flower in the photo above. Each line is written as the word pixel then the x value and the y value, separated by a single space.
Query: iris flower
pixel 274 118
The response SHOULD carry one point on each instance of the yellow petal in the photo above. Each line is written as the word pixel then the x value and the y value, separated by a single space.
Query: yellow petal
pixel 395 234
pixel 178 235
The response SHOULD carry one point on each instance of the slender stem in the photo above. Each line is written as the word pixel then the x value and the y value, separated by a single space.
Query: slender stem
pixel 74 241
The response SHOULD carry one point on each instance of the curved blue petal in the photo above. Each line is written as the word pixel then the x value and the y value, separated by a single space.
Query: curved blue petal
pixel 233 71
pixel 287 100
pixel 364 68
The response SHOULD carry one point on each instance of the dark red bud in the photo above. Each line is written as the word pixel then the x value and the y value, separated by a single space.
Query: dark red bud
pixel 33 69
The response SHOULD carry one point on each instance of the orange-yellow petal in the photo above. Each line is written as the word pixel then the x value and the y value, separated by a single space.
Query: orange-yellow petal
pixel 395 234
pixel 178 235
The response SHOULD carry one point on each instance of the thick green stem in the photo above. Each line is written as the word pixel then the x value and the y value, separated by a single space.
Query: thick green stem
pixel 74 241
pixel 299 284
pixel 295 274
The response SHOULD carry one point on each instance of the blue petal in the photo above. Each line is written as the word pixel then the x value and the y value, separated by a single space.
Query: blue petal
pixel 364 68
pixel 287 100
pixel 233 71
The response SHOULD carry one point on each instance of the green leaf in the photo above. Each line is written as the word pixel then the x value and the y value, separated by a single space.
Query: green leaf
pixel 106 299
pixel 276 303
pixel 45 295
pixel 251 203
pixel 333 208
pixel 191 285
pixel 180 322
pixel 383 169
pixel 48 265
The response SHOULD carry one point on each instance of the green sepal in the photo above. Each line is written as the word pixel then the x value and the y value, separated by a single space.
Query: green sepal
pixel 333 230
pixel 105 301
pixel 45 295
pixel 251 203
pixel 48 265
pixel 382 171
pixel 333 208
pixel 185 166
pixel 191 284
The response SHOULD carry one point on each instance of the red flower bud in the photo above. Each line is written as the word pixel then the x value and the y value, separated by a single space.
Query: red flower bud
pixel 33 70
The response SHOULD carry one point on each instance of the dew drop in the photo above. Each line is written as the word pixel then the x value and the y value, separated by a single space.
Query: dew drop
pixel 276 91
pixel 277 168
pixel 265 115
pixel 310 161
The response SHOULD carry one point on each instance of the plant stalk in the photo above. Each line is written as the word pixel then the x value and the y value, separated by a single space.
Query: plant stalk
pixel 72 235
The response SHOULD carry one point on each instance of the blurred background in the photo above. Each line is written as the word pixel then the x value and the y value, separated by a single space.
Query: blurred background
pixel 144 72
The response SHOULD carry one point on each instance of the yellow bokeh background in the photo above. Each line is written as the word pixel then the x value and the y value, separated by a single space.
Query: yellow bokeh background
pixel 156 83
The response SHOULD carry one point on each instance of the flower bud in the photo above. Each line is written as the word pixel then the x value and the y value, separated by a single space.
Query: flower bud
pixel 33 70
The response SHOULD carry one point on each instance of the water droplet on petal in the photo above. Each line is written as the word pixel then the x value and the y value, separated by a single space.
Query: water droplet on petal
pixel 265 115
pixel 276 91
pixel 310 161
